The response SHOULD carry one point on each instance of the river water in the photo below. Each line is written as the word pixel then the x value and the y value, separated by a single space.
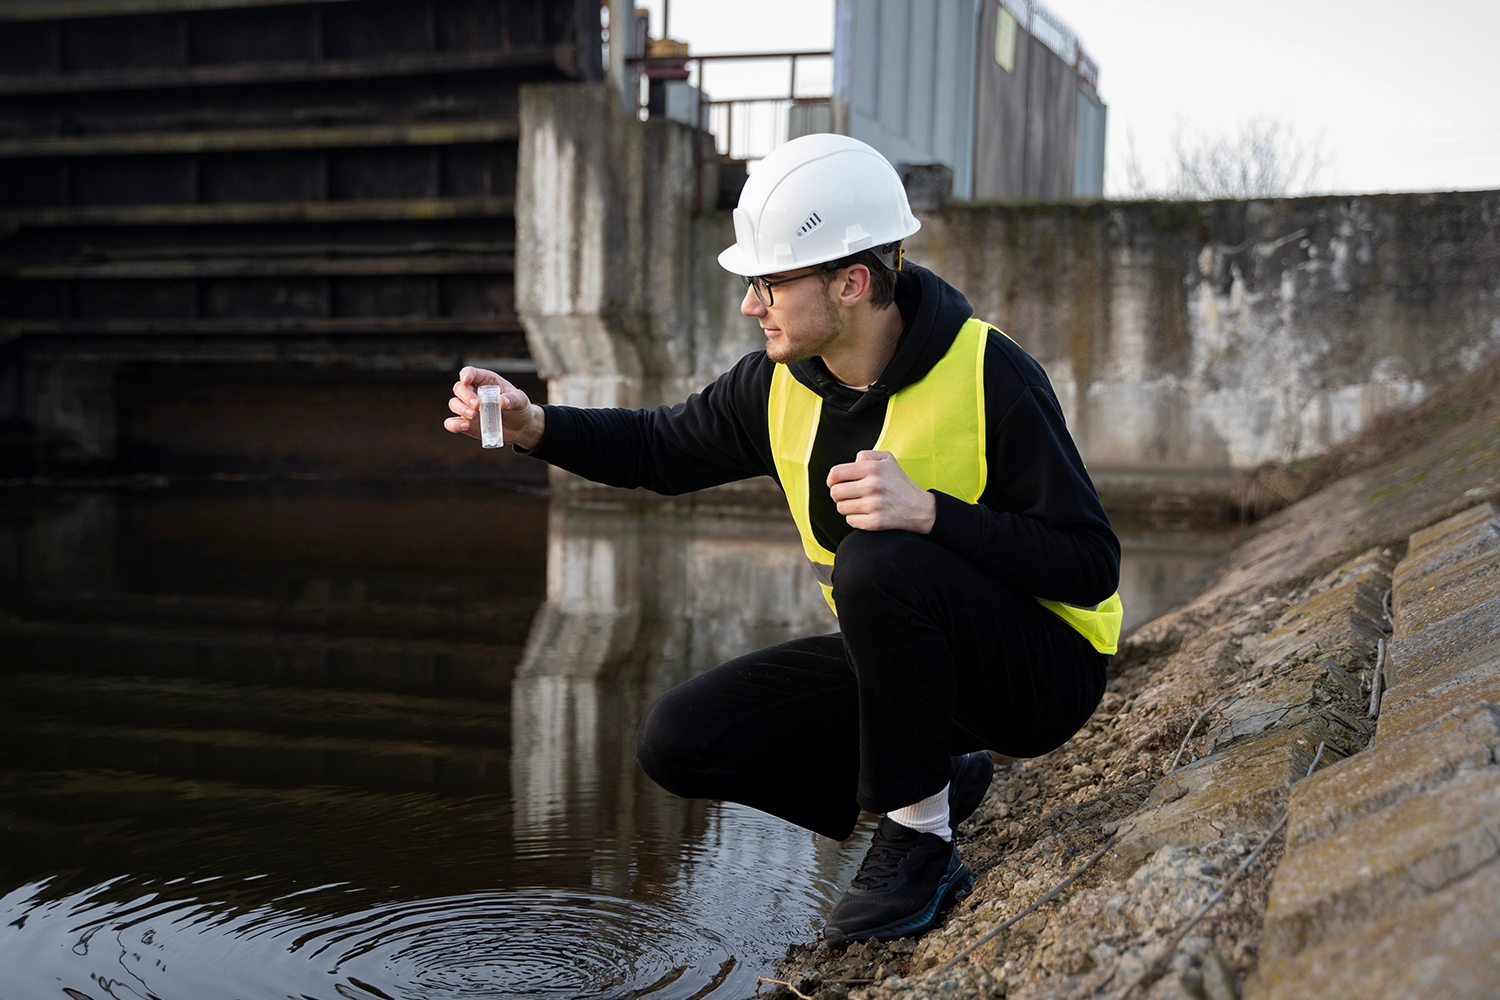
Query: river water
pixel 317 741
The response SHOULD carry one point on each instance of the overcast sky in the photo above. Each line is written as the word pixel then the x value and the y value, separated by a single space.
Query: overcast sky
pixel 1397 96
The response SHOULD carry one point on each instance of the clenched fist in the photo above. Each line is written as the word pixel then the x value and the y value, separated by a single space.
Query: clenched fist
pixel 874 493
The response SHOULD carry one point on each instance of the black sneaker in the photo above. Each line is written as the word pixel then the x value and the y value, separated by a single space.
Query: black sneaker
pixel 968 780
pixel 906 879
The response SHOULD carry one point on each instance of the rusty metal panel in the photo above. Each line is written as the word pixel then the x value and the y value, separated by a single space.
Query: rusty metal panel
pixel 276 182
pixel 378 29
pixel 114 180
pixel 123 43
pixel 254 35
pixel 30 48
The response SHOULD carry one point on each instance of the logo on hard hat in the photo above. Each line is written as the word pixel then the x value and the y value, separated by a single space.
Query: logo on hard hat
pixel 812 222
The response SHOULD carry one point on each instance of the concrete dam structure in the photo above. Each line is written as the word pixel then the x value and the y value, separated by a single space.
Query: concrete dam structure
pixel 1187 342
pixel 234 314
pixel 241 237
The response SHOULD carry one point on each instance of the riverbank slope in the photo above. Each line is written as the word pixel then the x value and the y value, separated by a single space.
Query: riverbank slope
pixel 1387 576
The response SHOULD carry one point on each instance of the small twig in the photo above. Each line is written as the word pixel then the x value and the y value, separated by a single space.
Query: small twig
pixel 779 982
pixel 1193 727
pixel 1152 972
pixel 1051 895
pixel 1377 683
pixel 1385 604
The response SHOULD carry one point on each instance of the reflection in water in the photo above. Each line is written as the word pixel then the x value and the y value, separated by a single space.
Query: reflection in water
pixel 1158 564
pixel 313 742
pixel 316 743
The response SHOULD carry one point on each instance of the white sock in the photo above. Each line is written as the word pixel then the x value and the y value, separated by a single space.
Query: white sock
pixel 928 816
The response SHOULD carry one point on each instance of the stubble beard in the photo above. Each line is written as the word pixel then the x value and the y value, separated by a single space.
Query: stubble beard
pixel 812 339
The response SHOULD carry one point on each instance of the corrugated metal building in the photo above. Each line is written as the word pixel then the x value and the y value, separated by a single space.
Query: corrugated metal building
pixel 1000 91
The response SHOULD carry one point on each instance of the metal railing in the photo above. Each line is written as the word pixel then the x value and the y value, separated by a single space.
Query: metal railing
pixel 722 118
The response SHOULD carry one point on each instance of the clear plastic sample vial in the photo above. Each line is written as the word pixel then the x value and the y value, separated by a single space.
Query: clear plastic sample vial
pixel 491 433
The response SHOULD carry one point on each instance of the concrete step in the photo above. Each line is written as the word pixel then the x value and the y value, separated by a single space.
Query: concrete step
pixel 1465 680
pixel 1464 521
pixel 1477 625
pixel 1241 789
pixel 260 213
pixel 1349 619
pixel 288 71
pixel 1371 866
pixel 1445 945
pixel 1449 591
pixel 1387 847
pixel 263 139
pixel 1407 765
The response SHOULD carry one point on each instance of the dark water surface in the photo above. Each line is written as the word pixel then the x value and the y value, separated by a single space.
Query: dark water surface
pixel 313 741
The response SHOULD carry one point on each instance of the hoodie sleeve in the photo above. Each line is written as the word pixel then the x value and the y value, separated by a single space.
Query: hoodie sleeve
pixel 716 436
pixel 1039 527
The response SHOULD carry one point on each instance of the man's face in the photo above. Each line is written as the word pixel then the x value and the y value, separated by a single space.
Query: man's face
pixel 803 320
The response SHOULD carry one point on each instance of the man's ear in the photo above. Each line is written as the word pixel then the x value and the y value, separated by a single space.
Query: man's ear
pixel 856 285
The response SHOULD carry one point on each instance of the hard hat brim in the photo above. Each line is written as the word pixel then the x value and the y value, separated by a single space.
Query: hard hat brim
pixel 735 261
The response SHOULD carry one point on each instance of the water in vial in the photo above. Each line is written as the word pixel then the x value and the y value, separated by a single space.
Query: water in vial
pixel 491 434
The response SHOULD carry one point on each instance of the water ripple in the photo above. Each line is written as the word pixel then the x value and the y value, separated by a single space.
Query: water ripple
pixel 541 944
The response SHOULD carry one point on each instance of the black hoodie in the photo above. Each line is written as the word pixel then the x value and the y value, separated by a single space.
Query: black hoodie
pixel 1039 527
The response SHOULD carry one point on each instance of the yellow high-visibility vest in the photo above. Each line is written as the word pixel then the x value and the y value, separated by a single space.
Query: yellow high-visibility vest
pixel 936 430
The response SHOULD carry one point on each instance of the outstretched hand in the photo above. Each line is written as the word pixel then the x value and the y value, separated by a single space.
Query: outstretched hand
pixel 874 493
pixel 524 421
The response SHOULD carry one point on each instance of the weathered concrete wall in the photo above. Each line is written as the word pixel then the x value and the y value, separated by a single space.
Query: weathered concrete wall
pixel 1226 334
pixel 610 255
pixel 1185 341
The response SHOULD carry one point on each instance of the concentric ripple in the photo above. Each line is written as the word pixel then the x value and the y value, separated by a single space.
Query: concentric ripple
pixel 525 944
pixel 543 944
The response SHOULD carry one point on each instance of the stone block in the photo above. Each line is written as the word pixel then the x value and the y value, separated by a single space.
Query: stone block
pixel 1471 543
pixel 1372 866
pixel 1464 681
pixel 1437 645
pixel 1238 790
pixel 1471 518
pixel 1345 620
pixel 1374 565
pixel 1446 592
pixel 1414 763
pixel 1445 945
pixel 1309 688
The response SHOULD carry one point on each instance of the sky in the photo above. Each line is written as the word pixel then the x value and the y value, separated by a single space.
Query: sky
pixel 1391 96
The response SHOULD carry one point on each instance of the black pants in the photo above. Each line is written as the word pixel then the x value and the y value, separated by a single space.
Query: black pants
pixel 935 658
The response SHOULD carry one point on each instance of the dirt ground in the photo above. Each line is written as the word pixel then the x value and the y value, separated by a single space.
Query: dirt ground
pixel 1044 817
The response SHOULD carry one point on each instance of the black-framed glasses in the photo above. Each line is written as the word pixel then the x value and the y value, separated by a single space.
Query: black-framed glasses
pixel 762 287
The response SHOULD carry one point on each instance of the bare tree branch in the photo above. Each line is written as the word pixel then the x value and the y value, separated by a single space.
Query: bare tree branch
pixel 1265 158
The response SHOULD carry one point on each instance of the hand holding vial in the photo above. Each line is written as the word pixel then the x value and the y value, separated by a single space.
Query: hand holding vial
pixel 519 422
pixel 491 429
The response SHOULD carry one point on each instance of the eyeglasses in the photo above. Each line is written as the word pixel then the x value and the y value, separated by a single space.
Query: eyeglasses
pixel 762 287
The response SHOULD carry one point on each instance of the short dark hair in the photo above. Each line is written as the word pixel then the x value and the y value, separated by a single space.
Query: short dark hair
pixel 882 278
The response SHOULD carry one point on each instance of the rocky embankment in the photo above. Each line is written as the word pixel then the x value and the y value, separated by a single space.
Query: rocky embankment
pixel 1385 881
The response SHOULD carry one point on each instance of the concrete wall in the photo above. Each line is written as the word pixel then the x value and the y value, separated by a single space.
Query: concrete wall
pixel 1213 336
pixel 1186 340
pixel 616 281
pixel 611 277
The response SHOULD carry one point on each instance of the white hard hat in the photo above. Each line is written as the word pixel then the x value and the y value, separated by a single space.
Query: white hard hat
pixel 816 199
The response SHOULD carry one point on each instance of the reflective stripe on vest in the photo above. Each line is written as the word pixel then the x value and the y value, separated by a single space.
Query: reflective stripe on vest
pixel 936 430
